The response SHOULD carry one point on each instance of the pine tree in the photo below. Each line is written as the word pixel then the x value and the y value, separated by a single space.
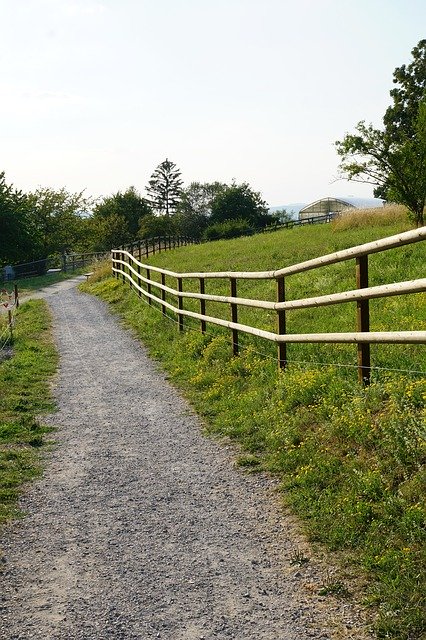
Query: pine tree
pixel 164 188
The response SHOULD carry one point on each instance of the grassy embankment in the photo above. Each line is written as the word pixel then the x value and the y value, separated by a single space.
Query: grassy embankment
pixel 350 460
pixel 24 395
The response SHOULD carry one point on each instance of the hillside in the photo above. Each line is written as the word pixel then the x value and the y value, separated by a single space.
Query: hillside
pixel 350 461
pixel 290 246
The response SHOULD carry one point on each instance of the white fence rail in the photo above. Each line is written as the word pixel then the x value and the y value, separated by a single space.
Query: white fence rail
pixel 129 268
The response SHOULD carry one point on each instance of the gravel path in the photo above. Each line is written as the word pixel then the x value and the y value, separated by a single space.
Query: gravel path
pixel 142 527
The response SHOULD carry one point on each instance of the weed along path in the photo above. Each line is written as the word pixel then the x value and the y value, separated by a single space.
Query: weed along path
pixel 142 527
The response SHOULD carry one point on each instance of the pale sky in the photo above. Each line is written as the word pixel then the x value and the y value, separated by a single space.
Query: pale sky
pixel 94 94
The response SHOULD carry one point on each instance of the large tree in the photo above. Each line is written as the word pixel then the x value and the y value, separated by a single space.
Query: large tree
pixel 393 158
pixel 58 219
pixel 165 188
pixel 117 219
pixel 16 225
pixel 195 208
pixel 239 202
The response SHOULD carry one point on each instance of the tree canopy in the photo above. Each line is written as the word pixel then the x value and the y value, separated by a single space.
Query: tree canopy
pixel 393 159
pixel 16 231
pixel 239 202
pixel 117 219
pixel 164 188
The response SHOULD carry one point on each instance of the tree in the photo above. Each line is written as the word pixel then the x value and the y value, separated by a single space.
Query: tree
pixel 401 116
pixel 240 202
pixel 393 159
pixel 117 218
pixel 108 232
pixel 164 188
pixel 57 220
pixel 195 207
pixel 130 205
pixel 16 231
pixel 153 226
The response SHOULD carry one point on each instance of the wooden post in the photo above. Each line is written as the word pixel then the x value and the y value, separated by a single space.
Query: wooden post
pixel 153 245
pixel 170 242
pixel 363 322
pixel 140 250
pixel 146 248
pixel 180 303
pixel 139 273
pixel 16 296
pixel 282 347
pixel 203 305
pixel 234 316
pixel 163 293
pixel 148 275
pixel 10 323
pixel 122 266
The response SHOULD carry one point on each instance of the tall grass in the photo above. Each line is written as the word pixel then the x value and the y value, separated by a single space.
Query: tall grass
pixel 361 218
pixel 350 460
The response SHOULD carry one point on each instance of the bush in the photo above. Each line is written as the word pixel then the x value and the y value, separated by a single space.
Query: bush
pixel 228 229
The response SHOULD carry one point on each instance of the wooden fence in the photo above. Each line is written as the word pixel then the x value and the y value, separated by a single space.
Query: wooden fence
pixel 129 268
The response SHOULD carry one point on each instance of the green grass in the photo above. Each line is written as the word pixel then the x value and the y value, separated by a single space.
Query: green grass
pixel 28 285
pixel 350 460
pixel 24 396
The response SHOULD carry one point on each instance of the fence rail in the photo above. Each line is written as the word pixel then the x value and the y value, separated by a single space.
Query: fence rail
pixel 129 268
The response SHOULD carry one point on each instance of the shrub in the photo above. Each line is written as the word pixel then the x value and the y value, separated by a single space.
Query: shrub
pixel 228 229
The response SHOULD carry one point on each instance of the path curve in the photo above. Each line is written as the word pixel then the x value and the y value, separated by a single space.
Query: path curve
pixel 142 527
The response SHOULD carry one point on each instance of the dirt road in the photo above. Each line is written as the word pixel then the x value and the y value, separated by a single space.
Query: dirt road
pixel 142 527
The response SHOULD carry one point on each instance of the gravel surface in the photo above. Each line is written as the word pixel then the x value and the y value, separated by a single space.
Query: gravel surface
pixel 141 526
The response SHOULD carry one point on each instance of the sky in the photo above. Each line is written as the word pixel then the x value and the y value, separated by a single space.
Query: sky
pixel 94 94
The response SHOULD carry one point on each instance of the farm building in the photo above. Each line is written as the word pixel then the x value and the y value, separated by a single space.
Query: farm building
pixel 328 206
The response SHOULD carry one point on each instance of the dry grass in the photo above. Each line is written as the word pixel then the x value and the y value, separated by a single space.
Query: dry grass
pixel 359 218
pixel 101 270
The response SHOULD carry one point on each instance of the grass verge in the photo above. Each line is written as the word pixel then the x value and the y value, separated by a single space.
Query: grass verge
pixel 24 395
pixel 351 461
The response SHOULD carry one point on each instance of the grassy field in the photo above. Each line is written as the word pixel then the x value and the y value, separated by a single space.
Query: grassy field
pixel 24 395
pixel 350 460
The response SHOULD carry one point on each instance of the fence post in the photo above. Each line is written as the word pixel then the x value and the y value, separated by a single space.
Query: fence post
pixel 140 251
pixel 163 293
pixel 234 316
pixel 153 246
pixel 146 248
pixel 363 322
pixel 10 323
pixel 170 242
pixel 139 273
pixel 129 262
pixel 148 286
pixel 282 347
pixel 203 305
pixel 180 303
pixel 16 296
pixel 64 262
pixel 123 268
